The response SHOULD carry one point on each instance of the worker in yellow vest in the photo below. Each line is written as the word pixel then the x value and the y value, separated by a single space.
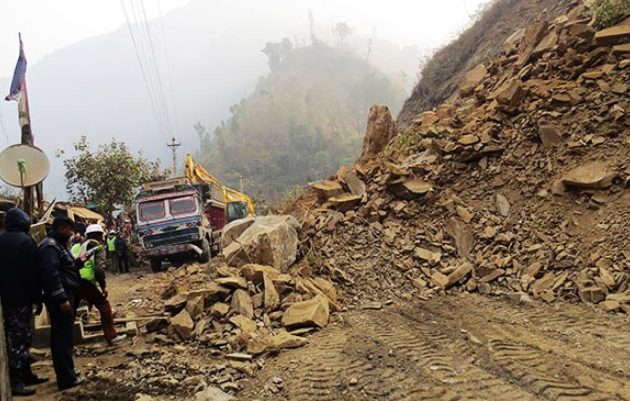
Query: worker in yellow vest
pixel 92 276
pixel 111 251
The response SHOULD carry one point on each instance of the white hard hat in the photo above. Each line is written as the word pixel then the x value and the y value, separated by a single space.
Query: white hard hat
pixel 94 228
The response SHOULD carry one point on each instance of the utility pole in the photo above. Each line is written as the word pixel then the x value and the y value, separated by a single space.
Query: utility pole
pixel 174 145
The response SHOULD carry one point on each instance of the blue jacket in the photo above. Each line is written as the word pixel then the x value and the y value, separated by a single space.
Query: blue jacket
pixel 19 280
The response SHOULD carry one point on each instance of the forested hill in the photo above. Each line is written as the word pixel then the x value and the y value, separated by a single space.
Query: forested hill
pixel 304 120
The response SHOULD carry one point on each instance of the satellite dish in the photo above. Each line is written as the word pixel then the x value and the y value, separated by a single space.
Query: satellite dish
pixel 23 165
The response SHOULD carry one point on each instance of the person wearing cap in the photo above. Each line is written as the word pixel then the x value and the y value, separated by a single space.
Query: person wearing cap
pixel 92 276
pixel 59 278
pixel 20 292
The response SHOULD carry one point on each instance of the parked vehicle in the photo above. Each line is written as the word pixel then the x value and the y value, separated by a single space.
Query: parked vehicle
pixel 172 223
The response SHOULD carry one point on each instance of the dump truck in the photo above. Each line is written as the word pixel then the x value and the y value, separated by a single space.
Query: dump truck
pixel 171 222
pixel 184 216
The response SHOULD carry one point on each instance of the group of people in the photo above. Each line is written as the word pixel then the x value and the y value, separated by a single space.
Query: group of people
pixel 58 277
pixel 116 253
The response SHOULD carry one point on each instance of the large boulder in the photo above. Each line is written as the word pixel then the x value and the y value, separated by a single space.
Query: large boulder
pixel 270 240
pixel 183 324
pixel 314 312
pixel 381 128
pixel 234 230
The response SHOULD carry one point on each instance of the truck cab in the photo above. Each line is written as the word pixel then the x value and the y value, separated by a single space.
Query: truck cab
pixel 172 222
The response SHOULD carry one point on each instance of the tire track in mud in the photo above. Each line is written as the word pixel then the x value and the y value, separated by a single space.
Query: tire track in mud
pixel 459 348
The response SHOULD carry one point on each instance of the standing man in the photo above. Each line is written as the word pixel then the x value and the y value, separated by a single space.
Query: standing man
pixel 121 253
pixel 93 273
pixel 20 291
pixel 111 250
pixel 60 281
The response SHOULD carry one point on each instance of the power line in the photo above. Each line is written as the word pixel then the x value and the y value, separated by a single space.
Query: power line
pixel 155 64
pixel 145 75
pixel 168 68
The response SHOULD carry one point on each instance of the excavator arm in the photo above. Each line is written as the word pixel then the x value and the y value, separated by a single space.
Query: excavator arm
pixel 196 173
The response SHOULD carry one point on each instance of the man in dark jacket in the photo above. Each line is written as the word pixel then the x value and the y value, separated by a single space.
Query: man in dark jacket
pixel 60 280
pixel 121 253
pixel 20 291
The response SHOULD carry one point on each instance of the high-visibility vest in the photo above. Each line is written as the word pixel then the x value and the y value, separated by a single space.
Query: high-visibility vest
pixel 87 272
pixel 76 250
pixel 111 245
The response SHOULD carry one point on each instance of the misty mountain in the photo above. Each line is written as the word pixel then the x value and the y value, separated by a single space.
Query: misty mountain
pixel 95 87
pixel 304 120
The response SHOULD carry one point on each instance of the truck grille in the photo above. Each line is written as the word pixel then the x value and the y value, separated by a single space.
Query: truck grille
pixel 172 237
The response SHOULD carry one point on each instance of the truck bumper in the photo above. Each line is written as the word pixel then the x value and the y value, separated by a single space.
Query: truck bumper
pixel 171 250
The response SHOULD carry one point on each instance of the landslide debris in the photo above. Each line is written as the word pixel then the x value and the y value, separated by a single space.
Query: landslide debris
pixel 518 185
pixel 205 327
pixel 476 45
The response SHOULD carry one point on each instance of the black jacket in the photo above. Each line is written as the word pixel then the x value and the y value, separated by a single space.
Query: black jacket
pixel 58 272
pixel 121 245
pixel 19 281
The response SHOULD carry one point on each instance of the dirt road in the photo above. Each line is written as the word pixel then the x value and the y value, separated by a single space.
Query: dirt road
pixel 465 347
pixel 458 348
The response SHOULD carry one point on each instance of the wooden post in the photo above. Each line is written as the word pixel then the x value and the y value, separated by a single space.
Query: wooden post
pixel 5 383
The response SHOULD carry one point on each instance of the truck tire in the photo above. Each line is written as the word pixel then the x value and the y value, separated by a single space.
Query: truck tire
pixel 156 264
pixel 205 255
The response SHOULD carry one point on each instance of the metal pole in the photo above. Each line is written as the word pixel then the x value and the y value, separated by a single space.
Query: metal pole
pixel 5 382
pixel 174 145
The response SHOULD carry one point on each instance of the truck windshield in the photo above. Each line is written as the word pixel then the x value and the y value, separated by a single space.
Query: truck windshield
pixel 236 210
pixel 182 206
pixel 151 211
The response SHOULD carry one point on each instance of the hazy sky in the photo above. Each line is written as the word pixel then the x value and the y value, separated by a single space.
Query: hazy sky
pixel 51 25
pixel 48 25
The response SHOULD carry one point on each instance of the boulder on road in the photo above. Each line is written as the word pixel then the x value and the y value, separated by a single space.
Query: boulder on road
pixel 242 304
pixel 213 394
pixel 234 230
pixel 183 324
pixel 314 312
pixel 271 240
pixel 593 175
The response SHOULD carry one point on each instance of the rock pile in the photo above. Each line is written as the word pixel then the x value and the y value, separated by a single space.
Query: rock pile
pixel 253 309
pixel 217 326
pixel 518 185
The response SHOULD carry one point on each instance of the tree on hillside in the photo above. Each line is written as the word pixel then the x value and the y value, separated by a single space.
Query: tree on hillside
pixel 342 30
pixel 304 120
pixel 276 52
pixel 108 176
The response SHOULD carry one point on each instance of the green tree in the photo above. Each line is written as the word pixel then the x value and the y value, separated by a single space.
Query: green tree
pixel 109 176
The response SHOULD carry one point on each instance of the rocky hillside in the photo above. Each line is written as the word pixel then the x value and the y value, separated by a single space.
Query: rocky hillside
pixel 517 185
pixel 478 44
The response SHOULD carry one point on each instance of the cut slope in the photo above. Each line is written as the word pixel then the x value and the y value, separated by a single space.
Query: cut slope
pixel 478 44
pixel 518 186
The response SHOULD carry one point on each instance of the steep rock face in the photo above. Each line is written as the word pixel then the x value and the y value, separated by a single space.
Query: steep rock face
pixel 441 77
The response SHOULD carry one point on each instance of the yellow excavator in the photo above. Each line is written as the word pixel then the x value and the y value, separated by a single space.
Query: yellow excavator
pixel 237 204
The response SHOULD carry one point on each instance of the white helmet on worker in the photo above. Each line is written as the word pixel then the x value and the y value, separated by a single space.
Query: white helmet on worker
pixel 94 228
